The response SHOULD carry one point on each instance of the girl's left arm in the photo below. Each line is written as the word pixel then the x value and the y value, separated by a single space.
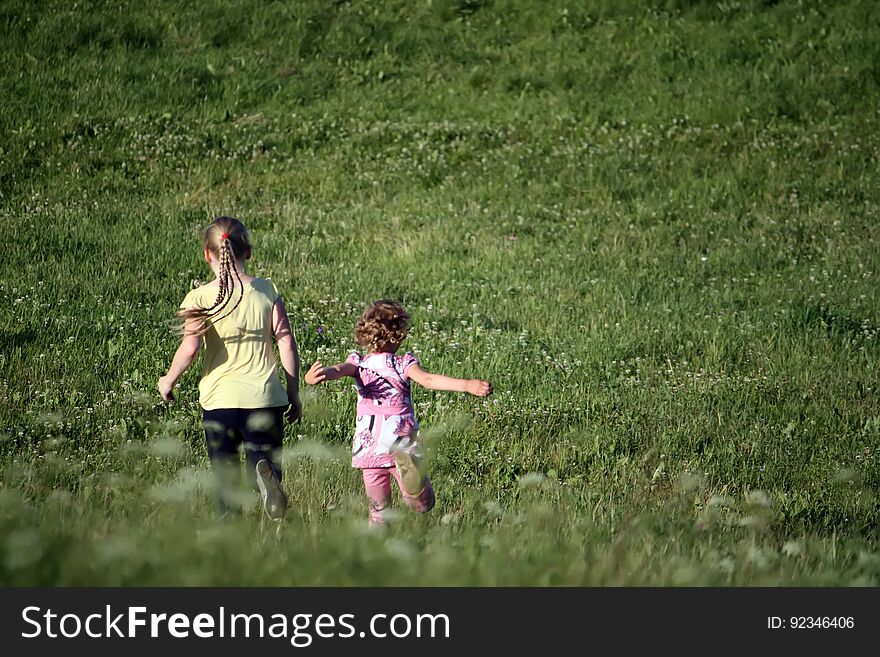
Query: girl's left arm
pixel 476 387
pixel 289 354
pixel 184 356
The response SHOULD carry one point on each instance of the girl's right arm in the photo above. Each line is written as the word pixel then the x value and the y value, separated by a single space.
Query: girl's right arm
pixel 184 356
pixel 318 373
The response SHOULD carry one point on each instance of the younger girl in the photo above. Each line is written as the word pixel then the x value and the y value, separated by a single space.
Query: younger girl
pixel 386 433
pixel 240 392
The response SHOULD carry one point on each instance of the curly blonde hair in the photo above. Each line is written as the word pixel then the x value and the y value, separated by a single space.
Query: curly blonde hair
pixel 382 325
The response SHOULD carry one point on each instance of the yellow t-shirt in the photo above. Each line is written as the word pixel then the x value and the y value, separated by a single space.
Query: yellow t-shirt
pixel 239 369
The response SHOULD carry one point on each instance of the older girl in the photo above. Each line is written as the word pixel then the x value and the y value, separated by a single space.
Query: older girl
pixel 237 316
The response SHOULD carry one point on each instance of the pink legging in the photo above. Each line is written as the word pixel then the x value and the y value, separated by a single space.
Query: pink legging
pixel 377 482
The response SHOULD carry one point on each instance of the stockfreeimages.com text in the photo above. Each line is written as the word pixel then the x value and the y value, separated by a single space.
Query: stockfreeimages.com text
pixel 300 629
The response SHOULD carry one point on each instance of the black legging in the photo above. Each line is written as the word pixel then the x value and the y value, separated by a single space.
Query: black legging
pixel 258 430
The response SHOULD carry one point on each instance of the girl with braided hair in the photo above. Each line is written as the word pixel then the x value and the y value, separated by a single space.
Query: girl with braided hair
pixel 386 440
pixel 238 316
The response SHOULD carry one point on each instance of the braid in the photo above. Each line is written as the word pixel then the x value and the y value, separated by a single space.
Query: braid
pixel 229 247
pixel 224 280
pixel 225 275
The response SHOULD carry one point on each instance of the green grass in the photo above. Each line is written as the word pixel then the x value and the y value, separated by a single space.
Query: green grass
pixel 652 225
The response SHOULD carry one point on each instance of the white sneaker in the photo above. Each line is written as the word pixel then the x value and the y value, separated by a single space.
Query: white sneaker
pixel 274 499
pixel 411 478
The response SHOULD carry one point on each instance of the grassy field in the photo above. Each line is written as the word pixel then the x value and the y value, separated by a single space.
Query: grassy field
pixel 652 225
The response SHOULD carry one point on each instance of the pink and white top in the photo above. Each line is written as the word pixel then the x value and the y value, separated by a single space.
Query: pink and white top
pixel 385 415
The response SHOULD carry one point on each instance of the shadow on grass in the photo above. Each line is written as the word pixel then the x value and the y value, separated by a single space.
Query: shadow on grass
pixel 804 318
pixel 9 342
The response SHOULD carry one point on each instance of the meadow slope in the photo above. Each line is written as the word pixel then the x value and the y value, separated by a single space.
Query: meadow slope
pixel 652 225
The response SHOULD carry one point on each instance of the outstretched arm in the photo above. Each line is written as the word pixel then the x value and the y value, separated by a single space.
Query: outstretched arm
pixel 476 387
pixel 318 373
pixel 289 354
pixel 184 356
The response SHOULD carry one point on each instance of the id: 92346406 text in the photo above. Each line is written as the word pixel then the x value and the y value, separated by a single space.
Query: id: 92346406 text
pixel 811 623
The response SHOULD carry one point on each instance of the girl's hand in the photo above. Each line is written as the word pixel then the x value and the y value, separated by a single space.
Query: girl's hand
pixel 315 375
pixel 166 387
pixel 294 411
pixel 479 388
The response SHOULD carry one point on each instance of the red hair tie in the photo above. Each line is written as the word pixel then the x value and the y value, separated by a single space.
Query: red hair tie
pixel 224 236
